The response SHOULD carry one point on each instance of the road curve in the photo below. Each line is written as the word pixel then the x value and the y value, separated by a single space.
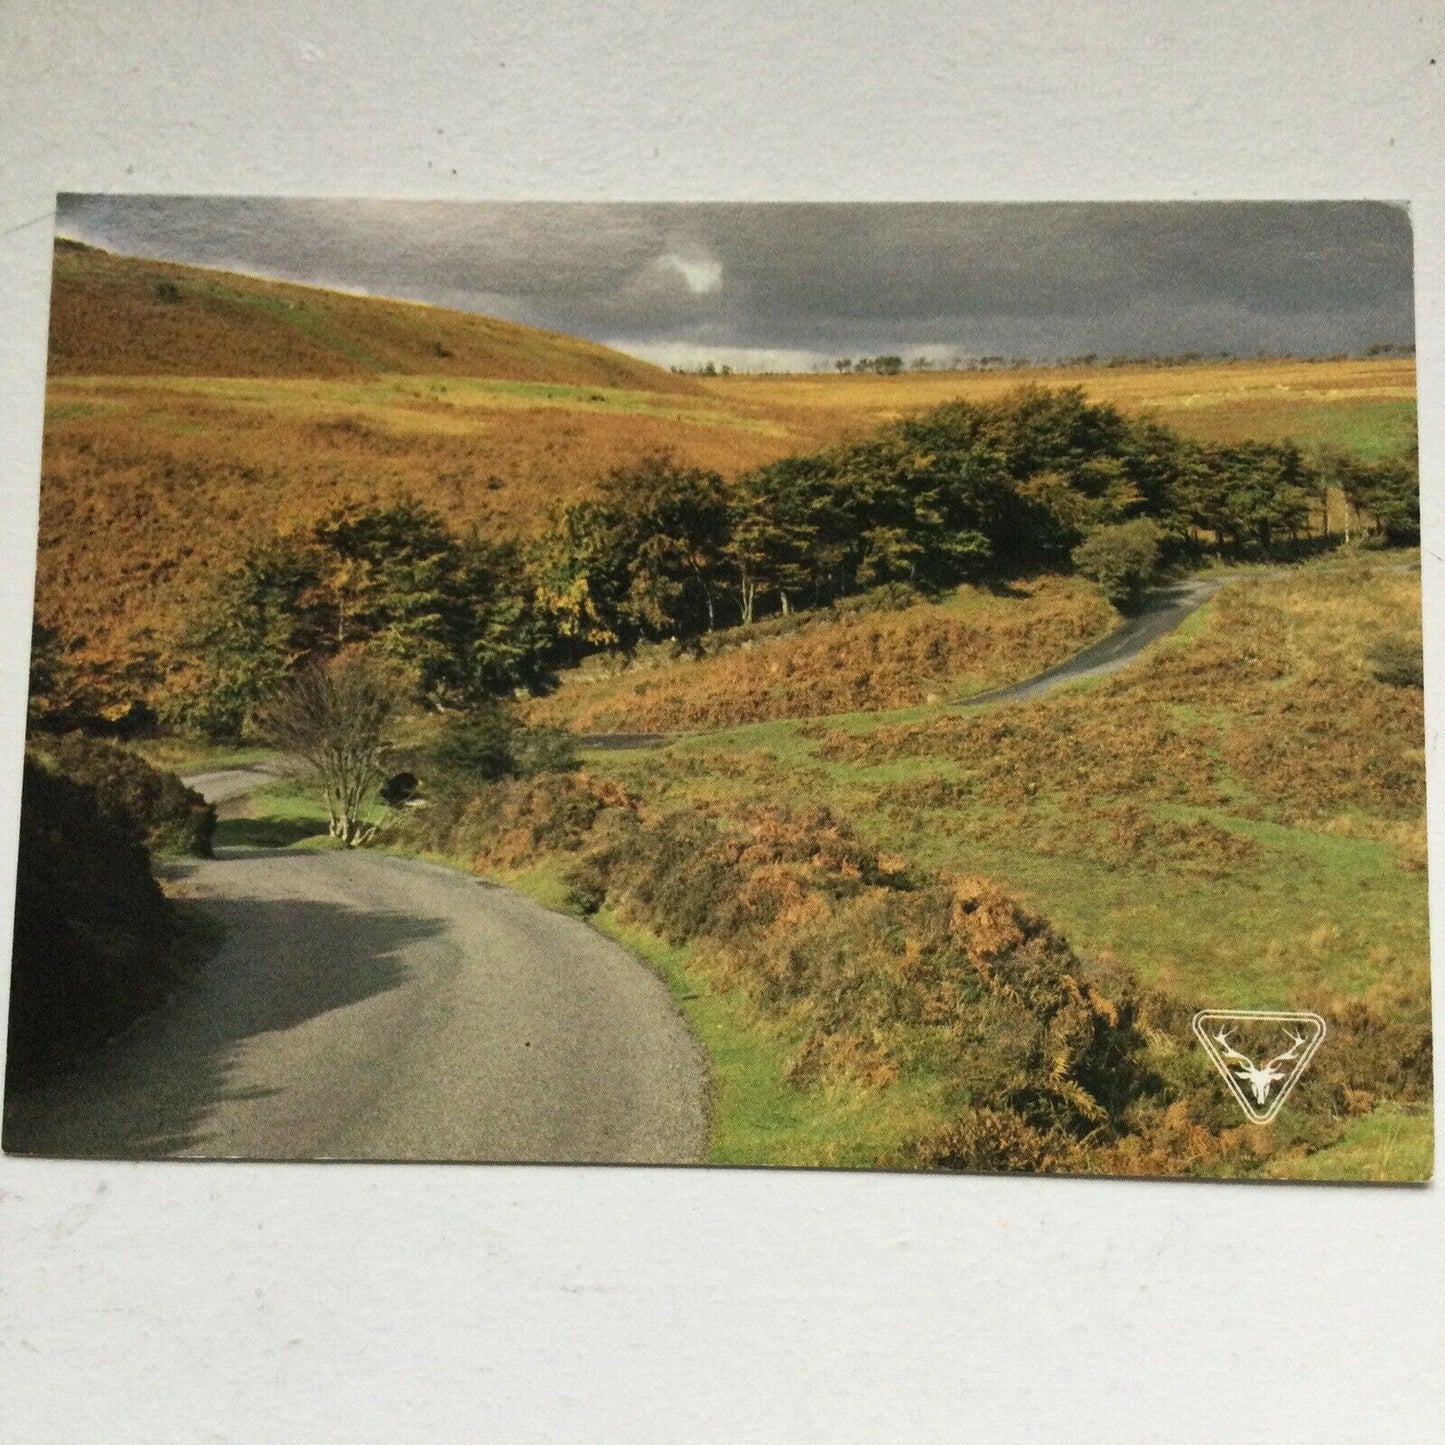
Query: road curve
pixel 362 1006
pixel 223 784
pixel 1162 612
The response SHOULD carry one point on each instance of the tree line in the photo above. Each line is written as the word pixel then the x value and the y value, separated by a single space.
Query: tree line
pixel 1040 479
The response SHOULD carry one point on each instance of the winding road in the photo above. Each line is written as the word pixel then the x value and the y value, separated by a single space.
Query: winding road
pixel 362 1006
pixel 1163 610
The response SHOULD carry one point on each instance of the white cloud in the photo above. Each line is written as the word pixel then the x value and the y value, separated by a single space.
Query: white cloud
pixel 702 277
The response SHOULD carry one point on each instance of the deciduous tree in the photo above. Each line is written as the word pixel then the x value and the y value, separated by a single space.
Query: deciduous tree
pixel 336 715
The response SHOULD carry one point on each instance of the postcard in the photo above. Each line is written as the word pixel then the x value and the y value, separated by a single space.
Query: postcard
pixel 908 687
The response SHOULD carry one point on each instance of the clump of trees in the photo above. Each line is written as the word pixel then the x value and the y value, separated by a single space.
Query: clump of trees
pixel 889 365
pixel 454 614
pixel 1039 479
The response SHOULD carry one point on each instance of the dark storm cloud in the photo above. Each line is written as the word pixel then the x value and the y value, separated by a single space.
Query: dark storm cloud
pixel 679 281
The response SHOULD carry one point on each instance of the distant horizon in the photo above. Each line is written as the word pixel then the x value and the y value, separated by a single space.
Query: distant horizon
pixel 793 289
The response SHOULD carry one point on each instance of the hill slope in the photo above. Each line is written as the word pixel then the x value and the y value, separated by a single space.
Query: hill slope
pixel 124 316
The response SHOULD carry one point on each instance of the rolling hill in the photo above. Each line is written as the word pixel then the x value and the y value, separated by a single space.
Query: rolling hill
pixel 123 316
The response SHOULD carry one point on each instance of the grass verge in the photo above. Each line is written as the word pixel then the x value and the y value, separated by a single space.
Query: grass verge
pixel 1391 1144
pixel 756 1116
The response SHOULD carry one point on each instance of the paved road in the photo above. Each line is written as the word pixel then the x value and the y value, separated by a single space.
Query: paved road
pixel 1161 614
pixel 224 784
pixel 369 1007
pixel 620 742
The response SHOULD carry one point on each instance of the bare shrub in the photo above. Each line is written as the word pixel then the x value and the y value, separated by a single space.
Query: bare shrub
pixel 337 717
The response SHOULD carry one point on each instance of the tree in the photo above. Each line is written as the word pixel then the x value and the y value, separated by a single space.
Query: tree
pixel 581 567
pixel 336 715
pixel 259 621
pixel 671 524
pixel 790 532
pixel 1121 559
pixel 1388 492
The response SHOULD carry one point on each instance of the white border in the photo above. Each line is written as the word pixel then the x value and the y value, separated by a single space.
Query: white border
pixel 211 1303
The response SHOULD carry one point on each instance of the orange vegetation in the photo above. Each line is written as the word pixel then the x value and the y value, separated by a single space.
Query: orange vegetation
pixel 838 661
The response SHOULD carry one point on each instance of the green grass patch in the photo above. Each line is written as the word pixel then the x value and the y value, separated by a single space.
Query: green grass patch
pixel 758 1117
pixel 1370 429
pixel 280 815
pixel 1316 912
pixel 544 882
pixel 1389 1144
pixel 1373 428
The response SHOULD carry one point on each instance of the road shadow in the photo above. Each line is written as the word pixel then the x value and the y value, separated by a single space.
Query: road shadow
pixel 265 832
pixel 278 964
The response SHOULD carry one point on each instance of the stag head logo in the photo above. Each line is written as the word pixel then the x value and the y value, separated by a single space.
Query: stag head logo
pixel 1284 1042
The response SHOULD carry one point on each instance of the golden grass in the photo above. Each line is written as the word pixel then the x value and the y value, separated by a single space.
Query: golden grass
pixel 1217 400
pixel 835 663
pixel 123 316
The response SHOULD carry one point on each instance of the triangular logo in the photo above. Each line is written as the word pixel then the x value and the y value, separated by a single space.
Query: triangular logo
pixel 1260 1054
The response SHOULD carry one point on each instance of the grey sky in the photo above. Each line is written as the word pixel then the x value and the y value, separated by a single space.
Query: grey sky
pixel 796 285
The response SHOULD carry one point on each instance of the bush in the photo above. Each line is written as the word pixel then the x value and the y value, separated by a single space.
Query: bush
pixel 543 749
pixel 1121 560
pixel 92 929
pixel 886 597
pixel 154 806
pixel 477 745
pixel 488 744
pixel 991 1141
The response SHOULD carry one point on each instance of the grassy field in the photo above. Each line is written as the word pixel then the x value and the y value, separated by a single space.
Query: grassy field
pixel 1233 837
pixel 1367 405
pixel 1236 821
